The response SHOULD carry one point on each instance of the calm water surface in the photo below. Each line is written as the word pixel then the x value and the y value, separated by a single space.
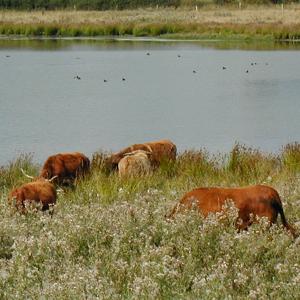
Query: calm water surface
pixel 190 99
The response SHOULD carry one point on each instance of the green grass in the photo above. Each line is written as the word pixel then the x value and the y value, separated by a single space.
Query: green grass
pixel 166 30
pixel 108 238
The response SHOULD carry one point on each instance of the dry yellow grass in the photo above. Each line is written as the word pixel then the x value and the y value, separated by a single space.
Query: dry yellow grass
pixel 263 22
pixel 252 15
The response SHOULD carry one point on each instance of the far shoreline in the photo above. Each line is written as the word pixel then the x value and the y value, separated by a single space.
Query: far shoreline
pixel 257 23
pixel 145 39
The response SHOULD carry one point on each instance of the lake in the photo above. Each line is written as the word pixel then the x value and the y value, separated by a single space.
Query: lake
pixel 86 95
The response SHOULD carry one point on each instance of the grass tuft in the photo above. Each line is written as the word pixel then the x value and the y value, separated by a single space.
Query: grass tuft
pixel 291 157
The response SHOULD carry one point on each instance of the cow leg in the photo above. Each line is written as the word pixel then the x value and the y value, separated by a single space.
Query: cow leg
pixel 45 207
pixel 243 222
pixel 243 226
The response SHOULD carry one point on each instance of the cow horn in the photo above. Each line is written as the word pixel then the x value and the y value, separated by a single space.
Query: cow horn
pixel 133 152
pixel 26 175
pixel 149 148
pixel 51 179
pixel 128 153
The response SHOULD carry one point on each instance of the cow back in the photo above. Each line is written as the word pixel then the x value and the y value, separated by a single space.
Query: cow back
pixel 65 166
pixel 160 150
pixel 134 164
pixel 258 200
pixel 39 191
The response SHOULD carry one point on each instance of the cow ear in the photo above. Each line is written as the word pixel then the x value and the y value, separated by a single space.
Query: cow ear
pixel 45 173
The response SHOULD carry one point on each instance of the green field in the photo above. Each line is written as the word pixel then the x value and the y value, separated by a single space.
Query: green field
pixel 108 238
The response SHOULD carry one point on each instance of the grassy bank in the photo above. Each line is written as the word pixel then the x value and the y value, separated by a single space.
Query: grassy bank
pixel 108 238
pixel 268 22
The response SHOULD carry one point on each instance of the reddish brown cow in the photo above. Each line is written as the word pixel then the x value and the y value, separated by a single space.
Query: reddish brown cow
pixel 40 191
pixel 66 166
pixel 160 150
pixel 259 200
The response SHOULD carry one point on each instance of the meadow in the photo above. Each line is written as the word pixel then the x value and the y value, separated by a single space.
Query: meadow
pixel 208 22
pixel 107 238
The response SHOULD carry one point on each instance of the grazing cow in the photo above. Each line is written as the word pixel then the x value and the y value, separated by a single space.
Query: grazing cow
pixel 40 191
pixel 135 163
pixel 161 150
pixel 66 166
pixel 259 200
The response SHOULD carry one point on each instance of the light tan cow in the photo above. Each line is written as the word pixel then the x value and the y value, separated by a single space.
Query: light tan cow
pixel 135 163
pixel 160 151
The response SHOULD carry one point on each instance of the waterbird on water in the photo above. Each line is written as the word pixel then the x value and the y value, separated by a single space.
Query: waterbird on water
pixel 104 80
pixel 224 68
pixel 123 79
pixel 194 71
pixel 148 53
pixel 77 77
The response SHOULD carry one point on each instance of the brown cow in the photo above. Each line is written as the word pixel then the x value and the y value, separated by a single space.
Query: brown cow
pixel 135 163
pixel 40 191
pixel 259 200
pixel 161 150
pixel 66 166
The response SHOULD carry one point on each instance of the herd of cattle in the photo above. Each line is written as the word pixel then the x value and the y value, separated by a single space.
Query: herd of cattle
pixel 259 200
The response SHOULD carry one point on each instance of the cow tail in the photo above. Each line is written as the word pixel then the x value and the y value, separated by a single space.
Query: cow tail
pixel 278 207
pixel 175 209
pixel 84 168
pixel 87 164
pixel 174 152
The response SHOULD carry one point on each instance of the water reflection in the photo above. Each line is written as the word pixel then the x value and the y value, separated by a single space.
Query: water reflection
pixel 116 43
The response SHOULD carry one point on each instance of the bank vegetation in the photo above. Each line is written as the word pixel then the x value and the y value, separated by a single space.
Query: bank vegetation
pixel 107 238
pixel 255 22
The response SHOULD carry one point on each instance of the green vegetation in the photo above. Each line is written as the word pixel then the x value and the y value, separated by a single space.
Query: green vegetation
pixel 117 4
pixel 108 238
pixel 182 31
pixel 211 22
pixel 85 4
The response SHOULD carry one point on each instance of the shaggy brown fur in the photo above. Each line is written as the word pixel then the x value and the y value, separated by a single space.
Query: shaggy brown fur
pixel 135 163
pixel 41 191
pixel 160 150
pixel 259 200
pixel 66 166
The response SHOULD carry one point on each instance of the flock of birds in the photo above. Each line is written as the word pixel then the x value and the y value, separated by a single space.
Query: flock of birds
pixel 77 77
